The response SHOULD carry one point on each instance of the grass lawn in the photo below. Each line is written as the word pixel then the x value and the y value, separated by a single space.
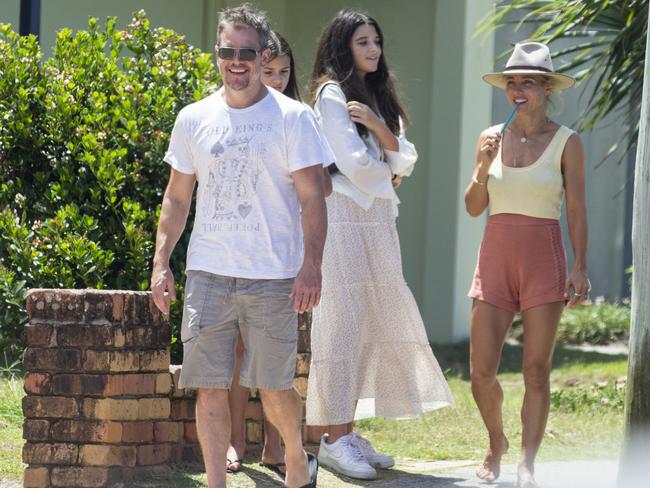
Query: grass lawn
pixel 11 428
pixel 584 388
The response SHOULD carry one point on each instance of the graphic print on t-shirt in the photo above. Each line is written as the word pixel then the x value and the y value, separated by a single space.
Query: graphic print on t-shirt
pixel 232 182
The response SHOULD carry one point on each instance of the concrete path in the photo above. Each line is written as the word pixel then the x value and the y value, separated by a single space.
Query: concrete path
pixel 574 474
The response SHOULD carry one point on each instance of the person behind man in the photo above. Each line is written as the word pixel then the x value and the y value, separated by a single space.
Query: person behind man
pixel 257 158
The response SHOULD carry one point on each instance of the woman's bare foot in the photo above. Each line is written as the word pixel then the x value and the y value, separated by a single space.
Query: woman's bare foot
pixel 490 469
pixel 234 458
pixel 525 477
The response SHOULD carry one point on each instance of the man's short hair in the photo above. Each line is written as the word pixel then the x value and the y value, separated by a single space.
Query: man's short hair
pixel 245 15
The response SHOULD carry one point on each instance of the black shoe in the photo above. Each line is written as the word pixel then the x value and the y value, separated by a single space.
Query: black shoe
pixel 313 471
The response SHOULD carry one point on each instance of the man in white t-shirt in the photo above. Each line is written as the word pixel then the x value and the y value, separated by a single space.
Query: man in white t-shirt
pixel 255 252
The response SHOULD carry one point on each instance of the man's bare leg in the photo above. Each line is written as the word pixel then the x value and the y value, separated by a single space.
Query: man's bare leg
pixel 283 409
pixel 213 428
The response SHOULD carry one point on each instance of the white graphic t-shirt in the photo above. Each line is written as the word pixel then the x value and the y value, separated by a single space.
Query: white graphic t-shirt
pixel 247 222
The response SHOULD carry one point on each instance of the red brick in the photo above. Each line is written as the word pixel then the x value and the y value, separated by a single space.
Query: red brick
pixel 131 385
pixel 190 434
pixel 84 335
pixel 110 409
pixel 300 384
pixel 139 384
pixel 153 408
pixel 102 455
pixel 154 361
pixel 168 431
pixel 55 305
pixel 302 364
pixel 254 411
pixel 138 432
pixel 79 384
pixel 114 361
pixel 57 453
pixel 304 341
pixel 38 334
pixel 118 307
pixel 254 432
pixel 148 473
pixel 163 384
pixel 141 337
pixel 50 407
pixel 37 383
pixel 87 477
pixel 119 339
pixel 304 321
pixel 38 359
pixel 183 409
pixel 86 431
pixel 138 309
pixel 154 454
pixel 36 478
pixel 314 433
pixel 36 430
pixel 98 306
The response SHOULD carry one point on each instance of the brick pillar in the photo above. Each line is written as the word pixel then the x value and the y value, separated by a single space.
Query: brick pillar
pixel 97 410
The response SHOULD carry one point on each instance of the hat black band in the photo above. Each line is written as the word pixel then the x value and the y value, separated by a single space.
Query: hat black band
pixel 536 68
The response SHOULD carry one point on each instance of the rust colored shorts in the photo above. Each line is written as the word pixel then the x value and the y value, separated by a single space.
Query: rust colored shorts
pixel 521 263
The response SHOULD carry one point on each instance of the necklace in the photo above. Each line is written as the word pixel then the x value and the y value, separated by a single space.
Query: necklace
pixel 524 139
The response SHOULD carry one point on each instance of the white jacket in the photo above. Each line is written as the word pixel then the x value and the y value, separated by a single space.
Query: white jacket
pixel 365 169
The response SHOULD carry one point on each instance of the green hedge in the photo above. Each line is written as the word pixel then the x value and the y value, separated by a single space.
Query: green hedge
pixel 598 322
pixel 82 137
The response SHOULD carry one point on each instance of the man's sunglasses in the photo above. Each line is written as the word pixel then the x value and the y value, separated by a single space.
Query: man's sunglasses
pixel 242 53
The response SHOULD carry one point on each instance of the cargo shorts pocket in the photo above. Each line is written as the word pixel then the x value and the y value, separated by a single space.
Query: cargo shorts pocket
pixel 280 320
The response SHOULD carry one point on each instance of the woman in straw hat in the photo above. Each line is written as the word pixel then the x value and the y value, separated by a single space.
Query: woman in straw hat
pixel 524 170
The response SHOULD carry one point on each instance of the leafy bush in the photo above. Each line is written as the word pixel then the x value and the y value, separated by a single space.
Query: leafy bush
pixel 597 323
pixel 82 138
pixel 582 397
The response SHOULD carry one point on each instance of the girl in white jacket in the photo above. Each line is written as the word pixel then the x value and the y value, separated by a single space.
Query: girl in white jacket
pixel 370 353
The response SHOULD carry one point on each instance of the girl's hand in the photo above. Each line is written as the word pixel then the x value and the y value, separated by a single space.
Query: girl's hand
pixel 396 181
pixel 362 114
pixel 488 146
pixel 577 287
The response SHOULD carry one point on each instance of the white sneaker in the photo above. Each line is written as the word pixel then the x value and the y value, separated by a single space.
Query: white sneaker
pixel 344 457
pixel 374 458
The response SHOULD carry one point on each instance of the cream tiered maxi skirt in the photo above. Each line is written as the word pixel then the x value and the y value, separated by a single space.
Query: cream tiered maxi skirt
pixel 370 352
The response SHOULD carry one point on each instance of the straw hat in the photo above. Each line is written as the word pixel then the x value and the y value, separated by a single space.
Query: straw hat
pixel 530 58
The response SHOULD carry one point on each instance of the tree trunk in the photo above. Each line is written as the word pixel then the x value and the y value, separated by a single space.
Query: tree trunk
pixel 633 469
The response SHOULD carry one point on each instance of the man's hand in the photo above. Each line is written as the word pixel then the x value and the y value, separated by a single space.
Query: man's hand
pixel 162 287
pixel 306 289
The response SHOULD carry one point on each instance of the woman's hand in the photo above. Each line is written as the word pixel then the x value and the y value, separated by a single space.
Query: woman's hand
pixel 396 181
pixel 362 114
pixel 577 287
pixel 488 146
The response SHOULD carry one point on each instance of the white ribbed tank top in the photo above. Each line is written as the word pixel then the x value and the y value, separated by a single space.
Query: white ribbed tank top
pixel 536 190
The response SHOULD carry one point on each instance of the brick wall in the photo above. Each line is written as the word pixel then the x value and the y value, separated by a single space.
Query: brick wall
pixel 102 404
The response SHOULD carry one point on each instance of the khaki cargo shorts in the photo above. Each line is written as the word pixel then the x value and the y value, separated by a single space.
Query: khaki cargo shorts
pixel 216 310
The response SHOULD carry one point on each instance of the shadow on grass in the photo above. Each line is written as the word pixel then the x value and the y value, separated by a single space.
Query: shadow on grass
pixel 454 358
pixel 397 478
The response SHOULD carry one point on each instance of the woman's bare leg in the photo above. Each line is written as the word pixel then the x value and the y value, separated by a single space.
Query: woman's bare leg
pixel 540 326
pixel 489 325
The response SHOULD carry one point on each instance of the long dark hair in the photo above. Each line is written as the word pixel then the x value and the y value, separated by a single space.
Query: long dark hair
pixel 334 61
pixel 280 47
